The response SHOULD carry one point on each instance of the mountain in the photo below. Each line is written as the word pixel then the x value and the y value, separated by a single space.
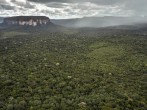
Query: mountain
pixel 27 20
pixel 27 23
pixel 98 21
pixel 42 23
pixel 31 24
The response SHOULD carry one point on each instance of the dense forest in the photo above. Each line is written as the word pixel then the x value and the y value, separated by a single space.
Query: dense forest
pixel 73 70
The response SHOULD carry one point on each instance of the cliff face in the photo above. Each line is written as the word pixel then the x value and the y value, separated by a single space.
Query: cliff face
pixel 27 20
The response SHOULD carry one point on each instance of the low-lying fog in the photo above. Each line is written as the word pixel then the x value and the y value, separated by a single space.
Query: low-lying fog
pixel 99 21
pixel 1 20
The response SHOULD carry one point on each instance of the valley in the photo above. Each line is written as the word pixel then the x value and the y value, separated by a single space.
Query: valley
pixel 73 69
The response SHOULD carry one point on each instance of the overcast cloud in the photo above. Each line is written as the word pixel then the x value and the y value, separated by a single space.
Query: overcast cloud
pixel 73 8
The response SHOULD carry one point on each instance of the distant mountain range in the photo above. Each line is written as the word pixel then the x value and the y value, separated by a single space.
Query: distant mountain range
pixel 99 21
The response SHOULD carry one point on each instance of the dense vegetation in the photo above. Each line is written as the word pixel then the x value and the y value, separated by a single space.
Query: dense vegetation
pixel 73 71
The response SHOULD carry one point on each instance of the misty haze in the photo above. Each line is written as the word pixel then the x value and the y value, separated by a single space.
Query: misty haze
pixel 73 55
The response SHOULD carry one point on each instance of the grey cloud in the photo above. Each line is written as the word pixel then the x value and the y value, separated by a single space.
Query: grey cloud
pixel 28 5
pixel 74 8
pixel 6 7
pixel 136 6
pixel 101 2
pixel 56 5
pixel 139 7
pixel 2 1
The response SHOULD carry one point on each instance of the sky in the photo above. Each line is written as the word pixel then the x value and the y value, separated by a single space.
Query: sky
pixel 63 9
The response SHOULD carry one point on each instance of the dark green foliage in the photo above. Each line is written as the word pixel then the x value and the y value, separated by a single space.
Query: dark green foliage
pixel 78 71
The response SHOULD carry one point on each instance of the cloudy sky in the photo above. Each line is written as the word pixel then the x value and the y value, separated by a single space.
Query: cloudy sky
pixel 73 8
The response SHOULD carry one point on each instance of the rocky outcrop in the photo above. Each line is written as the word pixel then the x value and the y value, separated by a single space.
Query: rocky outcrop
pixel 27 20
